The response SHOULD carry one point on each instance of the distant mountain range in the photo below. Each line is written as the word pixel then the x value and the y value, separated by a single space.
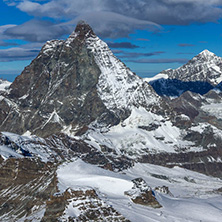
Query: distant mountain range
pixel 77 109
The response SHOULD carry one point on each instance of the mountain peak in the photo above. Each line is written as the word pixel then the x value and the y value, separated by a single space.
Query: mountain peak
pixel 204 67
pixel 83 29
pixel 206 53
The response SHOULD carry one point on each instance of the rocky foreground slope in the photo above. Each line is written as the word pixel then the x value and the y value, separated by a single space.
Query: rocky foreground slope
pixel 77 102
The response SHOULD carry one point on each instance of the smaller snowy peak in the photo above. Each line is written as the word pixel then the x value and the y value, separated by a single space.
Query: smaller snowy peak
pixel 206 56
pixel 4 85
pixel 204 67
pixel 207 53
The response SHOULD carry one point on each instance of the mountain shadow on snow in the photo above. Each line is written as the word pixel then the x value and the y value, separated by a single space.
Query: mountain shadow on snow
pixel 175 87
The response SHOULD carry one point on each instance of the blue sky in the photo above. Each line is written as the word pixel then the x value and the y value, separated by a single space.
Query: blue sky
pixel 148 35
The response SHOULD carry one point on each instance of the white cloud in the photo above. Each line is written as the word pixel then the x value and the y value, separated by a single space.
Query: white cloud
pixel 161 11
pixel 17 53
pixel 112 18
pixel 36 31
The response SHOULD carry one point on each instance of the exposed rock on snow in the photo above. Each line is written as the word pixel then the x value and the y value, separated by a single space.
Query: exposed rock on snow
pixel 80 205
pixel 142 194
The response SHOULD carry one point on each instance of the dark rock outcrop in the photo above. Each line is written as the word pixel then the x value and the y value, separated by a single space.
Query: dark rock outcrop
pixel 25 185
pixel 142 194
pixel 89 205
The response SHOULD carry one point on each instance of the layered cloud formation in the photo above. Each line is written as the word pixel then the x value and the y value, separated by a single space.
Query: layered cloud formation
pixel 53 19
pixel 104 15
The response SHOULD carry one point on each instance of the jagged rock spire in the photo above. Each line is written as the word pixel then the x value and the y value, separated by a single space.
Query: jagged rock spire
pixel 84 29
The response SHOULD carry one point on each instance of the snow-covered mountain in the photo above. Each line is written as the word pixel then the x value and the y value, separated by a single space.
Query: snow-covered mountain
pixel 200 75
pixel 71 84
pixel 77 102
pixel 79 88
pixel 205 67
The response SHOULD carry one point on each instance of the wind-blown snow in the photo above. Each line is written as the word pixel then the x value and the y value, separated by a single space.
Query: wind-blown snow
pixel 4 85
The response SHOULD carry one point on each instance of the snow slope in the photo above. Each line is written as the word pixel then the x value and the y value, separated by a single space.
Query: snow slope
pixel 140 133
pixel 118 87
pixel 33 146
pixel 194 199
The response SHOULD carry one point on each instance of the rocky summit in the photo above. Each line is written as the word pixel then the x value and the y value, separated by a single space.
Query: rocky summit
pixel 83 138
pixel 71 84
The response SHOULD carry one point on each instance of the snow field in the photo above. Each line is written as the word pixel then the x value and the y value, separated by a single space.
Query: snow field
pixel 194 197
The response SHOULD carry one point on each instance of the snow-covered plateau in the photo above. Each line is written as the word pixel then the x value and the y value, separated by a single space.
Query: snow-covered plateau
pixel 194 197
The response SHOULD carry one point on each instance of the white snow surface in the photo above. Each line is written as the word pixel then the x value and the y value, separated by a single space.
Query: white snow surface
pixel 118 87
pixel 4 85
pixel 34 145
pixel 206 66
pixel 194 197
pixel 214 109
pixel 133 139
pixel 156 77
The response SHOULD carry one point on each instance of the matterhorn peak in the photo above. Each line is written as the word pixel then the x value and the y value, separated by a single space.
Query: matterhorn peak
pixel 82 31
pixel 75 83
pixel 83 28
